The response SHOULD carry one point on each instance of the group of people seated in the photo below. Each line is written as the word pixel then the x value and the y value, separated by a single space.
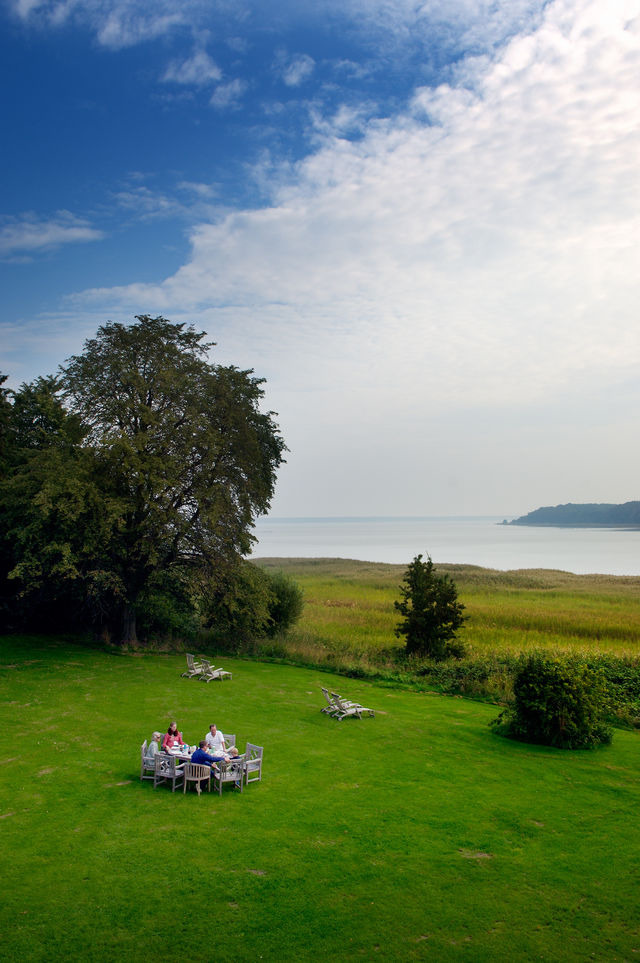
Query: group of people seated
pixel 214 741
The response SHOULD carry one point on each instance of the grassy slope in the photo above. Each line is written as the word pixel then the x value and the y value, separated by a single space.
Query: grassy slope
pixel 350 604
pixel 414 835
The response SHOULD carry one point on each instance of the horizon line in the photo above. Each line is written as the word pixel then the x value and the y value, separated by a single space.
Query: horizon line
pixel 369 518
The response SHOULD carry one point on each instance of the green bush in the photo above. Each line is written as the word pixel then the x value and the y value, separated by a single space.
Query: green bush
pixel 236 610
pixel 287 602
pixel 557 702
pixel 249 606
pixel 622 681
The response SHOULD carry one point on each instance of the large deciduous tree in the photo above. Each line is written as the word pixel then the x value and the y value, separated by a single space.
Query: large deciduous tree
pixel 431 612
pixel 172 463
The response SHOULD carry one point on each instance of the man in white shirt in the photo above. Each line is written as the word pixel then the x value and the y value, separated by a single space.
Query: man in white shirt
pixel 215 740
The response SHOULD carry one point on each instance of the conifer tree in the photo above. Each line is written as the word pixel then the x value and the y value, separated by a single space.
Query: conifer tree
pixel 431 612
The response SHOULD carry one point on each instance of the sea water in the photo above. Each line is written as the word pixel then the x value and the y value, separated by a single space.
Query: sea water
pixel 474 540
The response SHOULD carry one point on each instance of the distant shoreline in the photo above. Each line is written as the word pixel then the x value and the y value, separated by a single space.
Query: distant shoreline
pixel 593 515
pixel 613 526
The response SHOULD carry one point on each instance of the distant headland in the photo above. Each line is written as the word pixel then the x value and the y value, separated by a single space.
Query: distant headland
pixel 583 516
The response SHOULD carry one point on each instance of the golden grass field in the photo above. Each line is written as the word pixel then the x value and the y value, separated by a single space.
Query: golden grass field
pixel 349 607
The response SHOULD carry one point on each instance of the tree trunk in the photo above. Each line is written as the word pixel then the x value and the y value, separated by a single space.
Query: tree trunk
pixel 129 636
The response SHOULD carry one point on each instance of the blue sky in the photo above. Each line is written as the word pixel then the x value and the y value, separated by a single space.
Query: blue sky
pixel 418 221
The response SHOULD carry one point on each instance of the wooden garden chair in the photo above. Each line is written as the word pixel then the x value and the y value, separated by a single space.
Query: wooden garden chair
pixel 232 771
pixel 209 673
pixel 193 667
pixel 147 764
pixel 252 763
pixel 347 708
pixel 336 705
pixel 196 775
pixel 167 770
pixel 330 707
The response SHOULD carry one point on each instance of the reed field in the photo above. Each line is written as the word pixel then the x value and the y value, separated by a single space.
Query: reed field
pixel 349 620
pixel 349 606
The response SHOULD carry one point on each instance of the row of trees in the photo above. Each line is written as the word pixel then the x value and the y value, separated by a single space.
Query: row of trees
pixel 130 483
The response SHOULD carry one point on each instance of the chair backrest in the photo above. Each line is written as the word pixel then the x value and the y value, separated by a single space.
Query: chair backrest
pixel 253 754
pixel 193 771
pixel 252 763
pixel 165 764
pixel 236 766
pixel 232 770
pixel 229 740
pixel 190 660
pixel 325 693
pixel 147 764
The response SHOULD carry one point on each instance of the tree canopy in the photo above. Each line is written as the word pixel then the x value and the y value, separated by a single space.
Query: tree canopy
pixel 141 465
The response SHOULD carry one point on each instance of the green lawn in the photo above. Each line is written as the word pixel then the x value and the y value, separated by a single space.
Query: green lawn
pixel 417 835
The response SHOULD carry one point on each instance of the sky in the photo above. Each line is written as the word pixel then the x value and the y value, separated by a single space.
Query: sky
pixel 418 221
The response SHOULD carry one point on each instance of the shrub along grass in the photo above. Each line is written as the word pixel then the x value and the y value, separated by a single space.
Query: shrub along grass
pixel 417 835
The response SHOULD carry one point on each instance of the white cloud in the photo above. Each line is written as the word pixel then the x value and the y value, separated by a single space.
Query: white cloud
pixel 189 200
pixel 125 29
pixel 116 23
pixel 297 69
pixel 228 95
pixel 24 8
pixel 30 234
pixel 462 24
pixel 148 204
pixel 198 70
pixel 205 191
pixel 346 120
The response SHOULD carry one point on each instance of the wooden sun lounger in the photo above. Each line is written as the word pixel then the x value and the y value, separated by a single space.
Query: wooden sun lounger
pixel 193 667
pixel 209 673
pixel 346 708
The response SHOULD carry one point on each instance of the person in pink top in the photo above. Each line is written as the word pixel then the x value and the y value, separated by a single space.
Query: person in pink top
pixel 172 737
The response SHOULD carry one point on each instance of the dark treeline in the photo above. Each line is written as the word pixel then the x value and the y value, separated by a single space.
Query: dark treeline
pixel 130 484
pixel 612 516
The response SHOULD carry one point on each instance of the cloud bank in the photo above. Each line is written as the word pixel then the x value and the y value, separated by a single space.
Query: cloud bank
pixel 422 283
pixel 483 240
